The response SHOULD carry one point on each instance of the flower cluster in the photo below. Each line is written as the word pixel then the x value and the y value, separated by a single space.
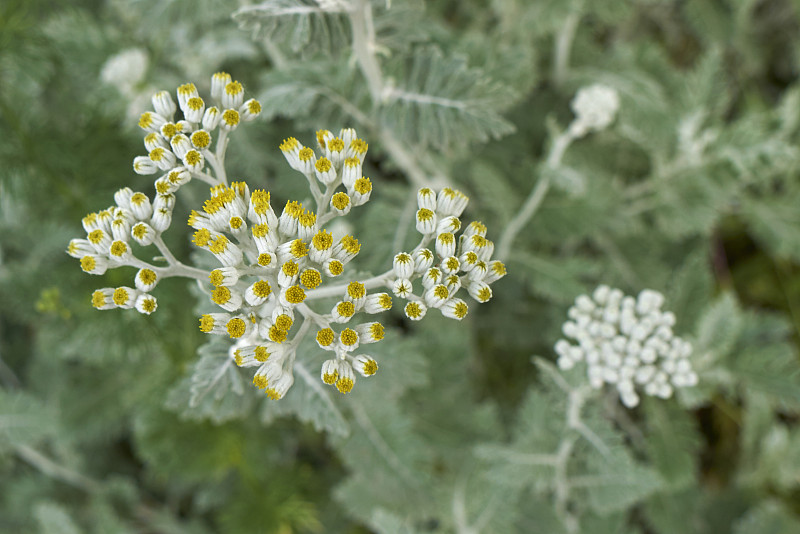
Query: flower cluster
pixel 627 342
pixel 456 262
pixel 178 148
pixel 271 265
pixel 595 108
pixel 274 263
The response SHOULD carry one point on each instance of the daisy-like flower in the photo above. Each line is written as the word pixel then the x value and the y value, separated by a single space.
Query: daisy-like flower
pixel 626 342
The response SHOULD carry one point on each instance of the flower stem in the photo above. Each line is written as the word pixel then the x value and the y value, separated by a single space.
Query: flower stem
pixel 534 200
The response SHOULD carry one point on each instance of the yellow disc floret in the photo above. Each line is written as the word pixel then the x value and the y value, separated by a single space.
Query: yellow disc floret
pixel 262 289
pixel 98 299
pixel 88 263
pixel 370 367
pixel 322 240
pixel 298 248
pixel 359 146
pixel 348 337
pixel 231 117
pixel 325 337
pixel 377 331
pixel 311 278
pixel 219 245
pixel 202 237
pixel 350 244
pixel 356 290
pixel 234 88
pixel 284 322
pixel 289 144
pixel 145 120
pixel 96 236
pixel 305 154
pixel 293 208
pixel 121 296
pixel 345 309
pixel 307 219
pixel 261 354
pixel 424 215
pixel 363 185
pixel 290 268
pixel 344 385
pixel 254 107
pixel 221 295
pixel 323 165
pixel 236 327
pixel 201 139
pixel 147 277
pixel 295 295
pixel 335 145
pixel 216 277
pixel 206 323
pixel 340 201
pixel 118 248
pixel 277 335
pixel 330 378
pixel 413 310
pixel 335 267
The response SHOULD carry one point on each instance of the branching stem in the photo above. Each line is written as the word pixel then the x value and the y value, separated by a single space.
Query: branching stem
pixel 534 200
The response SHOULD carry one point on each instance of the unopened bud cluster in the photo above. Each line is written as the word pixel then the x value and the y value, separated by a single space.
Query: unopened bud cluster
pixel 595 107
pixel 458 260
pixel 626 342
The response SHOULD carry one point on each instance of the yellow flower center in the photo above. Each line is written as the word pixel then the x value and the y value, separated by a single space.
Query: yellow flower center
pixel 262 289
pixel 348 337
pixel 335 267
pixel 340 200
pixel 323 165
pixel 236 327
pixel 310 278
pixel 147 276
pixel 363 185
pixel 325 337
pixel 121 296
pixel 98 299
pixel 295 295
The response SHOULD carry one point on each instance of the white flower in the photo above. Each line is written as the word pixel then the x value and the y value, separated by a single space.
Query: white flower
pixel 595 107
pixel 627 342
pixel 125 69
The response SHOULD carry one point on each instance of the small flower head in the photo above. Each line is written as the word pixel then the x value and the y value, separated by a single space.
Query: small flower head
pixel 146 304
pixel 595 107
pixel 365 365
pixel 102 299
pixel 415 310
pixel 627 342
pixel 146 280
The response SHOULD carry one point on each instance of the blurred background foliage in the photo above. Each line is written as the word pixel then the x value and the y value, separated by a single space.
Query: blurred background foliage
pixel 693 191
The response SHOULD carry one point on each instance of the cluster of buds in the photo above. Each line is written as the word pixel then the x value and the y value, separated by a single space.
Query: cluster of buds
pixel 456 262
pixel 270 268
pixel 627 342
pixel 273 266
pixel 179 149
pixel 595 107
